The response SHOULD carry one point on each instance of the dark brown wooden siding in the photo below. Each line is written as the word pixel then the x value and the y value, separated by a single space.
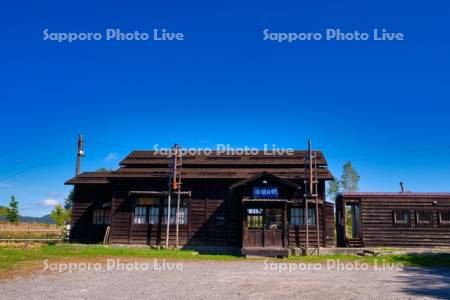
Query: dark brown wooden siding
pixel 297 234
pixel 86 199
pixel 377 221
pixel 378 228
pixel 207 222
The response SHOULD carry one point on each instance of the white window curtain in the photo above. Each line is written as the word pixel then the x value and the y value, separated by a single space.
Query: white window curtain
pixel 153 215
pixel 183 216
pixel 140 215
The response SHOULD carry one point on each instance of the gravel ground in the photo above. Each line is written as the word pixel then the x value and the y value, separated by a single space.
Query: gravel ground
pixel 231 280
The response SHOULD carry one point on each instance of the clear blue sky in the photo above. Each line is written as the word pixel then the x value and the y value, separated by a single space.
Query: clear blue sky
pixel 382 105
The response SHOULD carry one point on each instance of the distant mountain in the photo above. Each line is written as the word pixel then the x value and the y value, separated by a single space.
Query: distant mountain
pixel 44 219
pixel 25 219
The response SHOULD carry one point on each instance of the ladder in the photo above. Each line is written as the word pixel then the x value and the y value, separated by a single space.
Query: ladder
pixel 311 196
pixel 174 184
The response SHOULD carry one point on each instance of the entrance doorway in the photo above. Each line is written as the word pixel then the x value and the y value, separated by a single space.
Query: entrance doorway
pixel 263 227
pixel 353 221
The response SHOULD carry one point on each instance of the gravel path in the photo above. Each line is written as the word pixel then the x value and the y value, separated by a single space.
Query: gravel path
pixel 231 280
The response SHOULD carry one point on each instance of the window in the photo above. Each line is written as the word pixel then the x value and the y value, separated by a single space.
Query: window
pixel 183 215
pixel 254 218
pixel 140 215
pixel 146 215
pixel 273 218
pixel 401 217
pixel 153 215
pixel 424 218
pixel 101 216
pixel 444 218
pixel 298 216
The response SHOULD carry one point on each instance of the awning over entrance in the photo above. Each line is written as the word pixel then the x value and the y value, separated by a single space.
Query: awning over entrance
pixel 261 201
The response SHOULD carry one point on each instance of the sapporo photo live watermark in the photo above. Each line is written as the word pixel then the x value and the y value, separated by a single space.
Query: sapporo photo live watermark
pixel 331 265
pixel 113 34
pixel 112 265
pixel 333 34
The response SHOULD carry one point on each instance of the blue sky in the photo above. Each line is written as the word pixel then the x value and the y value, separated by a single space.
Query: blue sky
pixel 382 105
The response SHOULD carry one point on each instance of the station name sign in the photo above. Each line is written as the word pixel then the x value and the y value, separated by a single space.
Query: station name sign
pixel 265 192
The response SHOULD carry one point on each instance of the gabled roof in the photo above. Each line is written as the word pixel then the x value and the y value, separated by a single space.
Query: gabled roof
pixel 153 165
pixel 262 175
pixel 392 195
pixel 90 178
pixel 153 158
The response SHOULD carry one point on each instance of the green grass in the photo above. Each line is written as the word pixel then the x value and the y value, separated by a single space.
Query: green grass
pixel 421 260
pixel 13 257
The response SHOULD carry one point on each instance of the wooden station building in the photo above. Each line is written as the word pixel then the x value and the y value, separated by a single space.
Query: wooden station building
pixel 402 219
pixel 252 202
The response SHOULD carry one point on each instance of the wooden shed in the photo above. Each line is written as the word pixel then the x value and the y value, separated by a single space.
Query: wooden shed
pixel 393 219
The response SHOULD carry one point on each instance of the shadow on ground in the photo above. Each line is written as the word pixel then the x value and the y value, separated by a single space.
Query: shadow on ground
pixel 215 250
pixel 426 282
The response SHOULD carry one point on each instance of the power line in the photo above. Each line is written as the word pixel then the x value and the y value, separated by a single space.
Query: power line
pixel 35 165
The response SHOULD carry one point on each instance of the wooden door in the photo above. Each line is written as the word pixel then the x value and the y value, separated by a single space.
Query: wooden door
pixel 273 227
pixel 254 236
pixel 264 227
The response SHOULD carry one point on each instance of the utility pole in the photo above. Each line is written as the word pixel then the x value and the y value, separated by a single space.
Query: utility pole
pixel 80 153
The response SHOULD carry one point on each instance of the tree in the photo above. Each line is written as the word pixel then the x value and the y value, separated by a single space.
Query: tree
pixel 349 182
pixel 59 215
pixel 349 179
pixel 333 188
pixel 13 212
pixel 68 202
pixel 4 211
pixel 103 170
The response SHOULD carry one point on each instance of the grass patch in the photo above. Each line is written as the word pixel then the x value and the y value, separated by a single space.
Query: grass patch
pixel 14 257
pixel 11 256
pixel 420 260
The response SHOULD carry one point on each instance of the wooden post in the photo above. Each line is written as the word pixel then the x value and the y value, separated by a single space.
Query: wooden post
pixel 177 216
pixel 168 216
pixel 306 208
pixel 169 198
pixel 177 183
pixel 316 193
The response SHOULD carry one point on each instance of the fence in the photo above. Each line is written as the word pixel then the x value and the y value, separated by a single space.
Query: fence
pixel 32 235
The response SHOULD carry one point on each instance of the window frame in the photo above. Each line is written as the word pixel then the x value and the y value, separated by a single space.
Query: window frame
pixel 401 223
pixel 312 218
pixel 255 218
pixel 101 216
pixel 140 212
pixel 446 213
pixel 183 217
pixel 429 213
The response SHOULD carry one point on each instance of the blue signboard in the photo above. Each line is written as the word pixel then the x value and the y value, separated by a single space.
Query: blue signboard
pixel 265 192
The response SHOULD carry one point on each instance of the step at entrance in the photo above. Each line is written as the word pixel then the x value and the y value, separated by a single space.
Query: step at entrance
pixel 355 243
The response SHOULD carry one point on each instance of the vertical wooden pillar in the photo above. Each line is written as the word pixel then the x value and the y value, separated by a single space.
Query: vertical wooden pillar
pixel 285 227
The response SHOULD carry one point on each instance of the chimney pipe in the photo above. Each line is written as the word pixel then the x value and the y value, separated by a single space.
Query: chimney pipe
pixel 402 187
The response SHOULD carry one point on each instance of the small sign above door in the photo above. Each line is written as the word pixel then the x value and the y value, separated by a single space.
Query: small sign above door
pixel 265 192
